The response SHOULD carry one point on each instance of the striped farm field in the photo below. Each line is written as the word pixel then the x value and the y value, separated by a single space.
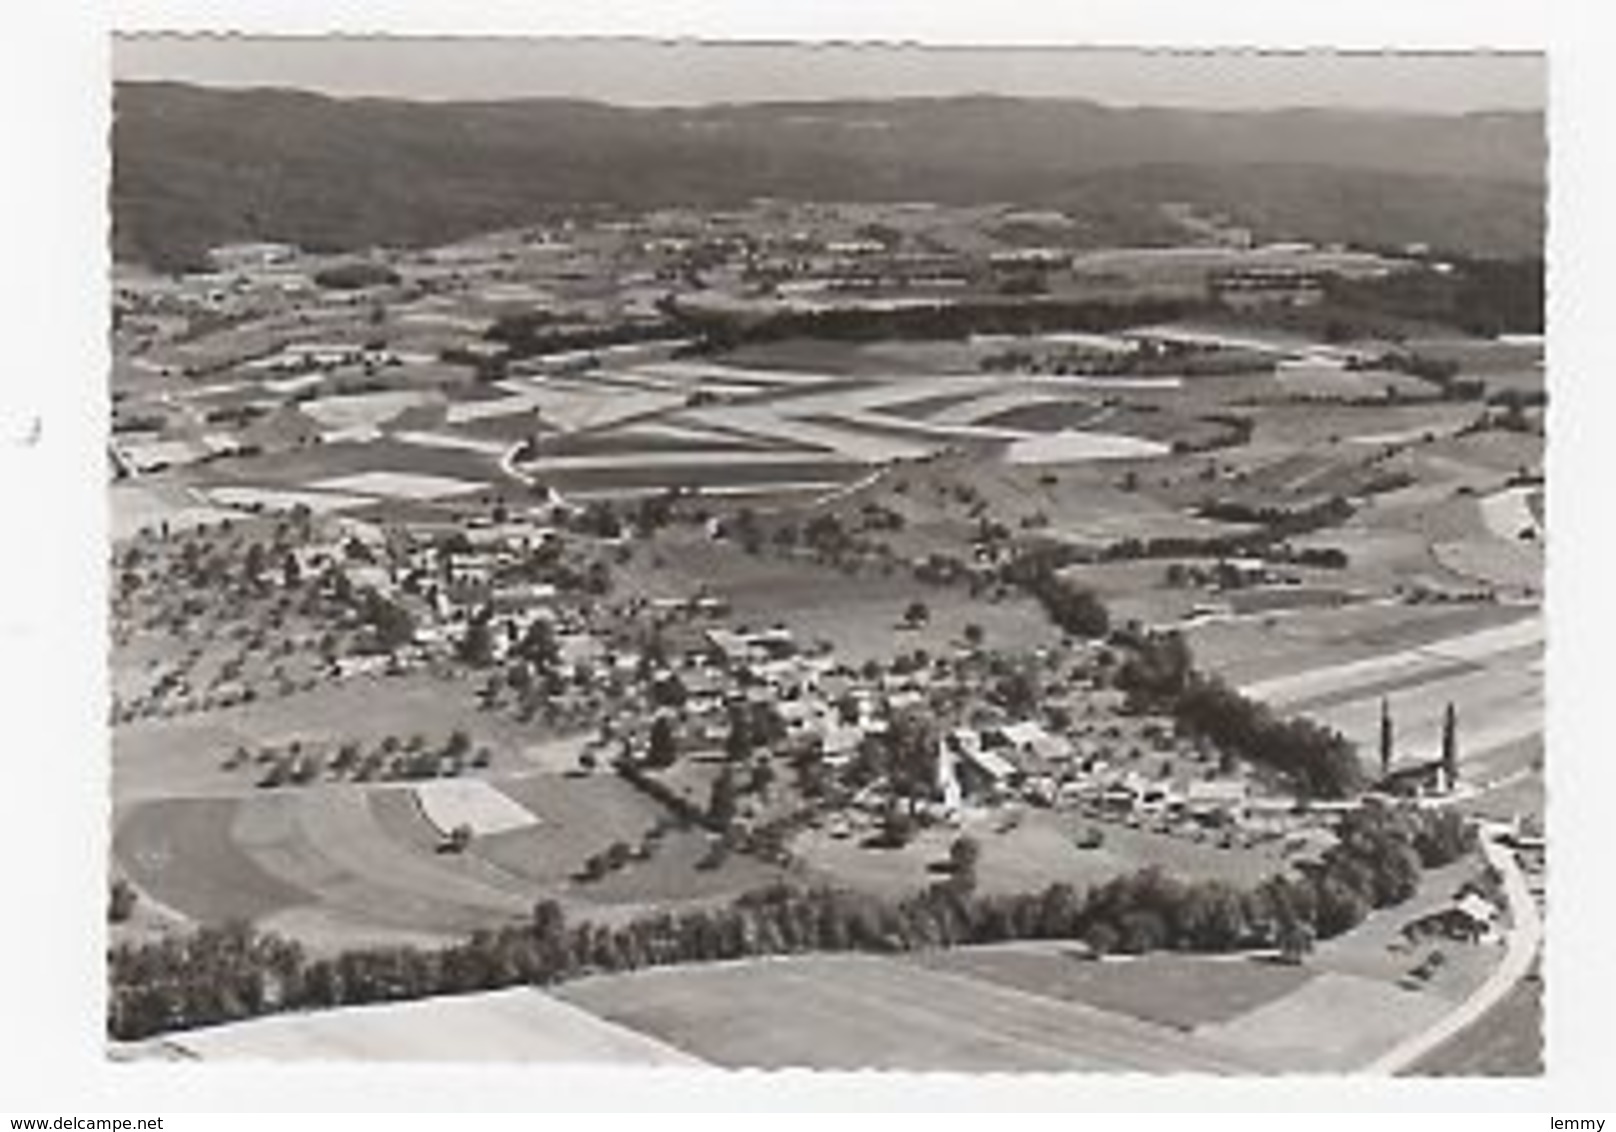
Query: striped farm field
pixel 1171 990
pixel 183 853
pixel 213 860
pixel 1331 1023
pixel 525 1026
pixel 1250 650
pixel 1492 675
pixel 338 863
pixel 717 475
pixel 865 1012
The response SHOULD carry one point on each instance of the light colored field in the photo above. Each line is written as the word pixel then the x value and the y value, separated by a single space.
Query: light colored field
pixel 480 445
pixel 1182 991
pixel 362 410
pixel 464 412
pixel 183 854
pixel 1070 445
pixel 521 1025
pixel 926 429
pixel 576 818
pixel 1249 650
pixel 1506 1042
pixel 1110 343
pixel 980 408
pixel 1492 675
pixel 1333 1023
pixel 449 803
pixel 142 507
pixel 864 1012
pixel 1137 517
pixel 329 843
pixel 1511 565
pixel 684 458
pixel 1321 380
pixel 1475 646
pixel 401 485
pixel 283 499
pixel 1498 708
pixel 700 373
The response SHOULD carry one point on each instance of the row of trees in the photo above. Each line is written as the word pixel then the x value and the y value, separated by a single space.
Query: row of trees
pixel 224 974
pixel 1074 609
pixel 1159 675
pixel 943 320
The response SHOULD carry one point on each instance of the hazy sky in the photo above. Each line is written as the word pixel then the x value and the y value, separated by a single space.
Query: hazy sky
pixel 643 72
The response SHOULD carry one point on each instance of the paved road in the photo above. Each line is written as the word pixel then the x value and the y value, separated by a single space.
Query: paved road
pixel 1525 936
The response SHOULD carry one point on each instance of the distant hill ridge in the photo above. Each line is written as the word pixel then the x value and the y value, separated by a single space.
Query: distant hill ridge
pixel 195 166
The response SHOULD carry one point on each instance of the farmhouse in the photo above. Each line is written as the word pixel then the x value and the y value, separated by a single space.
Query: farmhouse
pixel 1472 918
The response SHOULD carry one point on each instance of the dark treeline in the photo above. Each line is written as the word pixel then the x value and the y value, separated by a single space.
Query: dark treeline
pixel 531 334
pixel 229 973
pixel 1486 297
pixel 1073 609
pixel 356 275
pixel 941 320
pixel 1272 525
pixel 1159 675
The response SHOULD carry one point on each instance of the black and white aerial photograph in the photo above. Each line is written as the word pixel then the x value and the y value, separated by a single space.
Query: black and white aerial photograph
pixel 841 556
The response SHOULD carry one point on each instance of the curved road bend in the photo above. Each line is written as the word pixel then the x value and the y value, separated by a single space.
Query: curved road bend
pixel 1524 938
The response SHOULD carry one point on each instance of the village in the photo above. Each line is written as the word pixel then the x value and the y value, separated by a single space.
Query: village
pixel 646 565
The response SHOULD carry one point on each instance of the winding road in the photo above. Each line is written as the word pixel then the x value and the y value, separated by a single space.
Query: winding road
pixel 1522 943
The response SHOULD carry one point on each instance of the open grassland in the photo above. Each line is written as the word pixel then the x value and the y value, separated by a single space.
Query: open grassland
pixel 183 754
pixel 1507 1041
pixel 577 818
pixel 1377 950
pixel 861 614
pixel 1472 648
pixel 362 410
pixel 1520 793
pixel 721 475
pixel 862 1012
pixel 522 1026
pixel 260 858
pixel 247 498
pixel 852 358
pixel 1252 649
pixel 182 853
pixel 146 506
pixel 1491 674
pixel 344 865
pixel 1286 427
pixel 1179 991
pixel 1028 853
pixel 1499 709
pixel 1068 446
pixel 1511 567
pixel 1332 1023
pixel 349 474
